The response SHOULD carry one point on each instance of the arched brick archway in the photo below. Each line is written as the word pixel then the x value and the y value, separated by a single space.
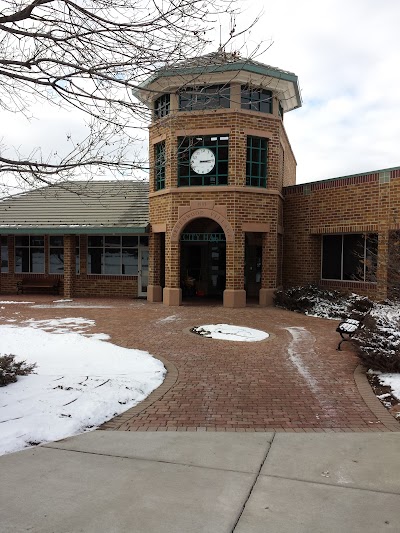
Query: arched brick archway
pixel 193 214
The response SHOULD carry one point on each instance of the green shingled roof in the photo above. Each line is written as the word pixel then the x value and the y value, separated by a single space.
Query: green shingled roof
pixel 79 207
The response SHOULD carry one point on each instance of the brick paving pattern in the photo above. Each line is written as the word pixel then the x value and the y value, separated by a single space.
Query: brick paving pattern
pixel 294 381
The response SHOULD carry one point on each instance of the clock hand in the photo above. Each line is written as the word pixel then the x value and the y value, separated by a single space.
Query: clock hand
pixel 205 161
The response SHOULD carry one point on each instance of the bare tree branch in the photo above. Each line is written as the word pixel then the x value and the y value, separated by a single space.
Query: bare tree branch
pixel 88 56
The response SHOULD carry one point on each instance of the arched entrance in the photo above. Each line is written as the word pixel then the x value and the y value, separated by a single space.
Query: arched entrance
pixel 203 259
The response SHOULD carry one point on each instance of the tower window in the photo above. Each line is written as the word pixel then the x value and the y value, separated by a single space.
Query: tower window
pixel 210 97
pixel 256 99
pixel 203 160
pixel 159 166
pixel 162 106
pixel 256 162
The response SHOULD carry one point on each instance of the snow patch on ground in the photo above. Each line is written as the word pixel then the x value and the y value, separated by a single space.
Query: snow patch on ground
pixel 167 319
pixel 301 340
pixel 392 381
pixel 11 302
pixel 71 305
pixel 80 382
pixel 228 332
pixel 62 325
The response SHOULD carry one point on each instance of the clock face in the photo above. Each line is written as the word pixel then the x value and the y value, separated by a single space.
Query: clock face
pixel 202 161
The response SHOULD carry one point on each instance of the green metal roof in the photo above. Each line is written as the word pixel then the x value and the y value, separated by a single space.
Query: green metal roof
pixel 78 207
pixel 221 61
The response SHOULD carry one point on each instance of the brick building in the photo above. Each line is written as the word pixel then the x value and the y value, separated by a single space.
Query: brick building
pixel 221 216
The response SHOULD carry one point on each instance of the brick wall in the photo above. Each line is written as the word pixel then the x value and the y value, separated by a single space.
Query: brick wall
pixel 355 204
pixel 242 204
pixel 78 285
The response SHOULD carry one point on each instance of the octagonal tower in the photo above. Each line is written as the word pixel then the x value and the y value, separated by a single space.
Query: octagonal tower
pixel 219 157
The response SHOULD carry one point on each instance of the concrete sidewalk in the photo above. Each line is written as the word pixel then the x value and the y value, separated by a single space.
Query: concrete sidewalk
pixel 204 482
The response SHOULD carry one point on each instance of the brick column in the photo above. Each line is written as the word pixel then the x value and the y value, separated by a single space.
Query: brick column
pixel 269 269
pixel 234 293
pixel 69 265
pixel 172 293
pixel 382 267
pixel 154 290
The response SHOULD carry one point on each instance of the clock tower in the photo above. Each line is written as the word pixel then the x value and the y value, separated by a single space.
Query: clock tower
pixel 219 158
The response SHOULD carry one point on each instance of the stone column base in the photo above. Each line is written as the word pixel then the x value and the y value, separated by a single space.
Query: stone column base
pixel 154 293
pixel 234 298
pixel 172 296
pixel 266 297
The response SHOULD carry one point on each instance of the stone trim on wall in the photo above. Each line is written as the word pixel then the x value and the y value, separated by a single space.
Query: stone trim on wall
pixel 202 209
pixel 351 228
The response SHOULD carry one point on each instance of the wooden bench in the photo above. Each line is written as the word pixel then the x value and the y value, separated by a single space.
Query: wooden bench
pixel 38 285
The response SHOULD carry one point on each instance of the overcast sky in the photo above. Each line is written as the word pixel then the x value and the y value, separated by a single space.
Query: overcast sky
pixel 346 54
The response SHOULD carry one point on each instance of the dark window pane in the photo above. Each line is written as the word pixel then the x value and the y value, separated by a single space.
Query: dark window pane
pixel 144 240
pixel 56 240
pixel 22 260
pixel 36 240
pixel 95 256
pixel 22 240
pixel 114 240
pixel 332 257
pixel 56 261
pixel 130 262
pixel 4 254
pixel 129 242
pixel 371 257
pixel 95 240
pixel 112 261
pixel 353 257
pixel 37 260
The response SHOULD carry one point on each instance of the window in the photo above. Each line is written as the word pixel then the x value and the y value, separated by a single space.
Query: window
pixel 77 255
pixel 210 97
pixel 114 255
pixel 349 257
pixel 218 173
pixel 256 99
pixel 280 110
pixel 56 254
pixel 159 166
pixel 256 162
pixel 4 254
pixel 162 106
pixel 29 254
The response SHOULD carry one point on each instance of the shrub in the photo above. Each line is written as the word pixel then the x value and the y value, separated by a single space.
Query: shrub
pixel 10 369
pixel 314 300
pixel 378 342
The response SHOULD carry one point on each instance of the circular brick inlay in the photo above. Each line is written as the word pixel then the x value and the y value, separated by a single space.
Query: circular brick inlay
pixel 229 332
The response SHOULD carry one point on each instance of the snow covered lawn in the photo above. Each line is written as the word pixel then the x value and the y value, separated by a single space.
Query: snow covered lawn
pixel 80 382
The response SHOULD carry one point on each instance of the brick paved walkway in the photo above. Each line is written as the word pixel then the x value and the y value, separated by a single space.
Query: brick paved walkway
pixel 294 381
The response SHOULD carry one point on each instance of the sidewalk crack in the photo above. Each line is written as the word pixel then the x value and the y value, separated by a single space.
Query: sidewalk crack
pixel 254 483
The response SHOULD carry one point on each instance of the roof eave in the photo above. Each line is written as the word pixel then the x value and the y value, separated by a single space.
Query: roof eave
pixel 70 230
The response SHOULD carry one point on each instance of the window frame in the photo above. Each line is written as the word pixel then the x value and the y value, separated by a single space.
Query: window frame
pixel 4 257
pixel 218 144
pixel 28 247
pixel 201 98
pixel 52 246
pixel 162 106
pixel 366 238
pixel 260 180
pixel 159 165
pixel 257 99
pixel 139 246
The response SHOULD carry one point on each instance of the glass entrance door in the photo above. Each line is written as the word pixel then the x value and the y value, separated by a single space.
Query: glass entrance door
pixel 143 272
